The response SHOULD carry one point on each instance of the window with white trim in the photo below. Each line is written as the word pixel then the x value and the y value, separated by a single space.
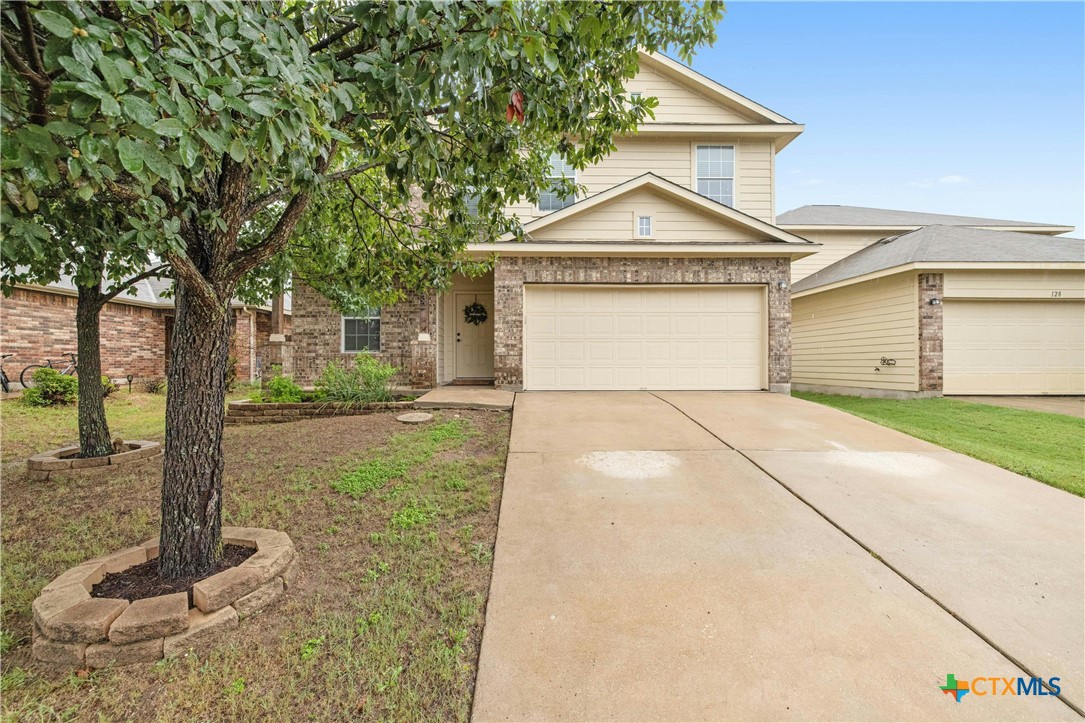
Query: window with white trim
pixel 716 173
pixel 551 199
pixel 644 226
pixel 362 333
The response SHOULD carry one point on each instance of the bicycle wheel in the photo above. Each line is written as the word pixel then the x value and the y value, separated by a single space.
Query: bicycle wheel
pixel 4 381
pixel 27 377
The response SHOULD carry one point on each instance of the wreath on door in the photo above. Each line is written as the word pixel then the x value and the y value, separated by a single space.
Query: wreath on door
pixel 475 313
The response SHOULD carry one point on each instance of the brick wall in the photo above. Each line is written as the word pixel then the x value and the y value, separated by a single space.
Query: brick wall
pixel 35 325
pixel 930 332
pixel 511 273
pixel 317 336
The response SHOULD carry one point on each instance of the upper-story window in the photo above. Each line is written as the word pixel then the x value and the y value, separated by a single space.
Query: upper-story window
pixel 362 333
pixel 716 173
pixel 551 199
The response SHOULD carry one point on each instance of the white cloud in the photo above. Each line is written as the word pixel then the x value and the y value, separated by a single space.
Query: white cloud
pixel 813 182
pixel 950 180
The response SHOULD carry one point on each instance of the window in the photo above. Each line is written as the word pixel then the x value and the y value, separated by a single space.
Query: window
pixel 551 199
pixel 362 333
pixel 716 173
pixel 644 226
pixel 472 205
pixel 635 96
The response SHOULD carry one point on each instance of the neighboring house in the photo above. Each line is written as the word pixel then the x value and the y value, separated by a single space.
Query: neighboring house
pixel 672 271
pixel 38 323
pixel 945 310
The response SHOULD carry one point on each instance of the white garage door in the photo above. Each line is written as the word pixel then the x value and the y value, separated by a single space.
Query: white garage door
pixel 678 337
pixel 1014 347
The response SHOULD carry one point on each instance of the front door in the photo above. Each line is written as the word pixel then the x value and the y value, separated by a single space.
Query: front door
pixel 474 341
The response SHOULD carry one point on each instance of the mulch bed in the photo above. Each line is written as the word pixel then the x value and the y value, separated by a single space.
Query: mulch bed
pixel 142 581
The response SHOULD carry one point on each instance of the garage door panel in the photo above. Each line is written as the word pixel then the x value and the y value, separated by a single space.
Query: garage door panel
pixel 1014 347
pixel 709 337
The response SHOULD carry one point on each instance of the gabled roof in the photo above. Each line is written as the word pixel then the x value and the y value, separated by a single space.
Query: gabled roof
pixel 950 247
pixel 704 85
pixel 888 219
pixel 152 292
pixel 671 191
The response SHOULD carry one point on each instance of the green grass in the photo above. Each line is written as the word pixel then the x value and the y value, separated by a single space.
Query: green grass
pixel 1046 447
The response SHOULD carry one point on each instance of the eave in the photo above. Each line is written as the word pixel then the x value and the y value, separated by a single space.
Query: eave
pixel 946 266
pixel 643 249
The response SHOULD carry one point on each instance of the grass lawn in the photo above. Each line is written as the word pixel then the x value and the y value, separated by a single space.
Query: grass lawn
pixel 395 526
pixel 1046 447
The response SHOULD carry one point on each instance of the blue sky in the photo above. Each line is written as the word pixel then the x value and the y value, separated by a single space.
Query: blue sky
pixel 974 108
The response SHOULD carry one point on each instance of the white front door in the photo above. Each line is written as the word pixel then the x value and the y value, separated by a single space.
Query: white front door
pixel 474 342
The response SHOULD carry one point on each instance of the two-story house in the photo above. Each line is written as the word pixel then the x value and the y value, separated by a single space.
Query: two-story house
pixel 668 272
pixel 672 271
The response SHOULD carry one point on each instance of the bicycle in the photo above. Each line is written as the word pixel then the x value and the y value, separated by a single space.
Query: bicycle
pixel 4 381
pixel 26 378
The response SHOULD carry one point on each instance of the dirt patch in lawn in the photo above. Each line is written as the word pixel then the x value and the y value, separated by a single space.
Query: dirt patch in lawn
pixel 142 581
pixel 394 526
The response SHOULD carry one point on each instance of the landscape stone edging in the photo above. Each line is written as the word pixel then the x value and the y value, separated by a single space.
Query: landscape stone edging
pixel 73 629
pixel 64 459
pixel 246 412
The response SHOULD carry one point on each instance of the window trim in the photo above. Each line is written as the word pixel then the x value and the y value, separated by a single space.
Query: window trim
pixel 572 199
pixel 637 216
pixel 734 146
pixel 375 314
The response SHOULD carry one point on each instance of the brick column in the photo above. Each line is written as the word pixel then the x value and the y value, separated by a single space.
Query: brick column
pixel 931 286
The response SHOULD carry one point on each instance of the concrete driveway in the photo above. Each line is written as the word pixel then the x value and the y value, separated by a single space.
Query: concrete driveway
pixel 714 556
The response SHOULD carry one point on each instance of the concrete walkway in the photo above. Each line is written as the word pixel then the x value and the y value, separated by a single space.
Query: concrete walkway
pixel 1073 406
pixel 465 397
pixel 694 556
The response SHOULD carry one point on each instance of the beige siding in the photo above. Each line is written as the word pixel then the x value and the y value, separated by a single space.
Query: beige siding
pixel 678 104
pixel 673 223
pixel 672 159
pixel 1019 284
pixel 839 337
pixel 835 246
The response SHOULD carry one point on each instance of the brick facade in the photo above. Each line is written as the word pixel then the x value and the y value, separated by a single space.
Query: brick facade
pixel 317 337
pixel 510 275
pixel 408 329
pixel 36 325
pixel 931 286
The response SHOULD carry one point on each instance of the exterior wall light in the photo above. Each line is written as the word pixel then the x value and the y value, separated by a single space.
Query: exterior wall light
pixel 781 284
pixel 935 302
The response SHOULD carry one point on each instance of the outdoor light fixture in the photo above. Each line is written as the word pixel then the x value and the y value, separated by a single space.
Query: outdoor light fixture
pixel 129 383
pixel 781 284
pixel 935 302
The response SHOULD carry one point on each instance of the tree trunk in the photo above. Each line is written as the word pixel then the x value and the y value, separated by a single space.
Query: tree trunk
pixel 191 541
pixel 94 439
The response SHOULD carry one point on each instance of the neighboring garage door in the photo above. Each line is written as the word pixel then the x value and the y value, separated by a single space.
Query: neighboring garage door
pixel 653 337
pixel 1014 347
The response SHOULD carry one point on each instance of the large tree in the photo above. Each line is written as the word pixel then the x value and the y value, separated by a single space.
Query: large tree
pixel 233 117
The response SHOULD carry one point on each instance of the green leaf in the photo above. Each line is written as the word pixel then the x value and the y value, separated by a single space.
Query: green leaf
pixel 550 60
pixel 215 102
pixel 139 110
pixel 238 152
pixel 156 161
pixel 55 23
pixel 188 150
pixel 77 69
pixel 213 139
pixel 262 106
pixel 130 155
pixel 110 106
pixel 64 129
pixel 136 46
pixel 169 127
pixel 112 76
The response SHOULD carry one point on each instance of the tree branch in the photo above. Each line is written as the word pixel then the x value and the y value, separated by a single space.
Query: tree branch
pixel 259 203
pixel 334 37
pixel 116 289
pixel 187 273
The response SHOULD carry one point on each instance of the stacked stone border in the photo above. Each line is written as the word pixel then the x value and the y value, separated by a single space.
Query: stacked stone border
pixel 73 629
pixel 66 459
pixel 245 412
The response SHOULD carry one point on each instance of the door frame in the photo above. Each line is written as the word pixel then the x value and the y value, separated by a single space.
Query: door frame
pixel 457 321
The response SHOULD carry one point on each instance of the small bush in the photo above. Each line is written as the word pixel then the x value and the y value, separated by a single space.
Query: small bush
pixel 282 388
pixel 51 388
pixel 108 387
pixel 369 381
pixel 155 385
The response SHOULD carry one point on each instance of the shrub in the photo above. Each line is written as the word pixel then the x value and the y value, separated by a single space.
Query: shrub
pixel 282 388
pixel 51 388
pixel 155 385
pixel 369 381
pixel 108 387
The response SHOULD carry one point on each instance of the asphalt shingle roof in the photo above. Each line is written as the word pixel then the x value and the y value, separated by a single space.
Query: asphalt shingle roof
pixel 947 244
pixel 861 216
